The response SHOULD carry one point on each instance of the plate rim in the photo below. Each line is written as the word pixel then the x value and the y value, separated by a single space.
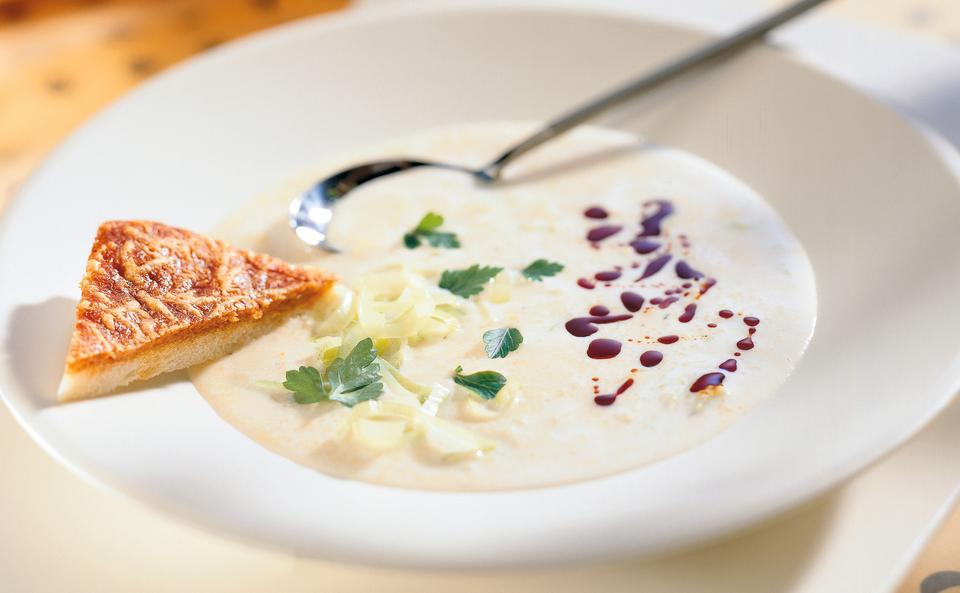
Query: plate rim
pixel 347 18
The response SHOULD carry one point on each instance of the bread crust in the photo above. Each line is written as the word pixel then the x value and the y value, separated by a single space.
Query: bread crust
pixel 149 287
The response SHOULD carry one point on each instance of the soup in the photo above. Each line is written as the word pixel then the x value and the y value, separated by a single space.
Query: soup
pixel 631 302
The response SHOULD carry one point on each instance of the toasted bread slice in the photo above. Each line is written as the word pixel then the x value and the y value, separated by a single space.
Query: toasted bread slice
pixel 156 298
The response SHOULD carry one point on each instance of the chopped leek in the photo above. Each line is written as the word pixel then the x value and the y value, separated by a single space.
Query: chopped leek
pixel 378 424
pixel 362 335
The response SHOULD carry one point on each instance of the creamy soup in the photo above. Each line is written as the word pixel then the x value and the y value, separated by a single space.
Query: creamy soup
pixel 683 301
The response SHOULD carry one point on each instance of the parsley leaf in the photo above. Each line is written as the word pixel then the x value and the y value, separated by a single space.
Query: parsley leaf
pixel 502 341
pixel 365 393
pixel 427 229
pixel 349 380
pixel 357 370
pixel 486 384
pixel 443 240
pixel 469 281
pixel 542 268
pixel 430 222
pixel 306 384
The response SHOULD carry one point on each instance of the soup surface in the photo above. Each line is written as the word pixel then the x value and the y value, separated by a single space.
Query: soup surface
pixel 683 301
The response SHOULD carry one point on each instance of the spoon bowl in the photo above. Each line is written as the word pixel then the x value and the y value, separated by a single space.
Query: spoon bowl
pixel 311 211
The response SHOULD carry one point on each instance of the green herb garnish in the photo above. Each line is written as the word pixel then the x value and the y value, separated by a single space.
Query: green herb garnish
pixel 349 380
pixel 502 341
pixel 486 384
pixel 469 281
pixel 427 230
pixel 542 268
pixel 307 385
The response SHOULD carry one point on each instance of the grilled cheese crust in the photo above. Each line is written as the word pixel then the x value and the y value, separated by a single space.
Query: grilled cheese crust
pixel 156 298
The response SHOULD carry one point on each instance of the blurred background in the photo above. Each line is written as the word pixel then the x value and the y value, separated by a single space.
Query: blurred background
pixel 63 60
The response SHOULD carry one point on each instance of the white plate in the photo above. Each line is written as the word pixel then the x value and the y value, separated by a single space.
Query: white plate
pixel 874 206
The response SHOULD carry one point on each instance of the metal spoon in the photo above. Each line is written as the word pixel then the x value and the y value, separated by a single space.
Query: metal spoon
pixel 312 211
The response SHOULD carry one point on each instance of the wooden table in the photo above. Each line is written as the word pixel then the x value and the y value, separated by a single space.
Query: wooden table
pixel 62 60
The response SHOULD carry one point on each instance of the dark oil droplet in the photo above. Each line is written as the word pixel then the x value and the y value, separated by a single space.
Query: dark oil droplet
pixel 708 380
pixel 600 233
pixel 632 301
pixel 688 312
pixel 651 358
pixel 595 212
pixel 603 348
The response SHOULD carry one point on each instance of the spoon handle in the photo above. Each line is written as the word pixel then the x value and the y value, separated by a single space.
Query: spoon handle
pixel 717 49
